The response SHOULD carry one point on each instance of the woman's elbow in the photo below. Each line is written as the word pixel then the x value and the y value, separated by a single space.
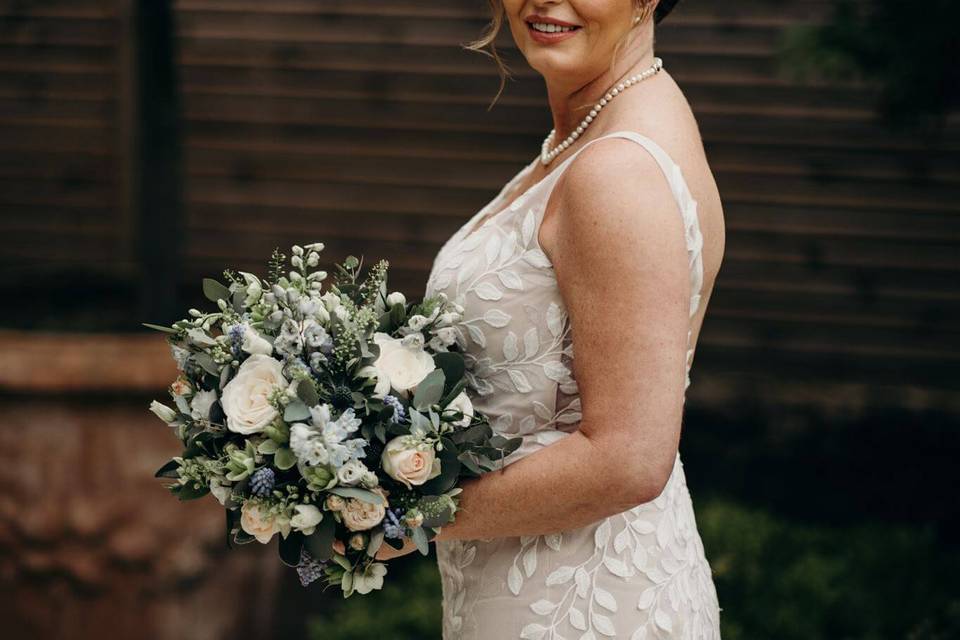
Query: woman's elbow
pixel 646 478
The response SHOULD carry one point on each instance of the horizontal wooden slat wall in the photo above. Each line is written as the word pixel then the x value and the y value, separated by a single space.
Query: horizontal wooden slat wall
pixel 62 132
pixel 363 123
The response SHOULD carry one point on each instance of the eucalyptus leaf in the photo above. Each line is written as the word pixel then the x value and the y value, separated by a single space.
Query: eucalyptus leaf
pixel 452 364
pixel 343 562
pixel 289 548
pixel 284 459
pixel 190 492
pixel 214 291
pixel 358 493
pixel 296 411
pixel 469 462
pixel 168 470
pixel 206 363
pixel 320 543
pixel 429 390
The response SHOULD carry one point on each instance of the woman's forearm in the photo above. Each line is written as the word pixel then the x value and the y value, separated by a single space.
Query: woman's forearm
pixel 569 484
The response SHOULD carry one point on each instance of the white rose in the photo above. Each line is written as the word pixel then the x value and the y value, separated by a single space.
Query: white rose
pixel 257 520
pixel 359 515
pixel 461 403
pixel 306 518
pixel 383 382
pixel 246 398
pixel 408 460
pixel 254 343
pixel 396 298
pixel 351 473
pixel 404 367
pixel 201 403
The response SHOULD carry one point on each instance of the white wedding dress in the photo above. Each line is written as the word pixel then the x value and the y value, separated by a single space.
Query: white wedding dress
pixel 638 574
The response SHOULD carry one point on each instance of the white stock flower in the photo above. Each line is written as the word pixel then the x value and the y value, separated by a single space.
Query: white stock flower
pixel 246 398
pixel 325 441
pixel 417 322
pixel 254 343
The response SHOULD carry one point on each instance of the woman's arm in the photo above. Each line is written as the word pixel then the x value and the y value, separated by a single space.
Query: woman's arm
pixel 622 269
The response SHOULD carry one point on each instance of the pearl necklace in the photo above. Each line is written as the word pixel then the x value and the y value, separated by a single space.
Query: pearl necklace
pixel 547 155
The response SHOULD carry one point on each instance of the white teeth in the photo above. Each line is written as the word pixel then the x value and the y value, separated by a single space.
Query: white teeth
pixel 550 28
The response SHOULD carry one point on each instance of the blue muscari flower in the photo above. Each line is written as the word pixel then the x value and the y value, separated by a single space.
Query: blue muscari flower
pixel 399 413
pixel 393 527
pixel 236 340
pixel 262 482
pixel 309 568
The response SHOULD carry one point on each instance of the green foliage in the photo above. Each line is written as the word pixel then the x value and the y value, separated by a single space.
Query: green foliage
pixel 776 578
pixel 408 607
pixel 908 50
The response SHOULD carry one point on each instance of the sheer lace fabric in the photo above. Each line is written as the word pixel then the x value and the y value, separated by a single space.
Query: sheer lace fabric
pixel 639 574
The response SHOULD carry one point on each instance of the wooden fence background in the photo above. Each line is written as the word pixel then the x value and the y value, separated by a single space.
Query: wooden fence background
pixel 363 123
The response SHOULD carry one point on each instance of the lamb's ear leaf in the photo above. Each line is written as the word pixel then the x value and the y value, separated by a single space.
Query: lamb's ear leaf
pixel 420 539
pixel 159 327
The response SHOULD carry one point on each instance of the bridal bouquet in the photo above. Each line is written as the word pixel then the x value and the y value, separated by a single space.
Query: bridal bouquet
pixel 335 418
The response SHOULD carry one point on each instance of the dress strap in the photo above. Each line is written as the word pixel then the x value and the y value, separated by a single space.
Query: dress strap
pixel 681 192
pixel 688 210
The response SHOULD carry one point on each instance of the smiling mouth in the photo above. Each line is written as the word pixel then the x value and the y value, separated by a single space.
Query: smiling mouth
pixel 546 27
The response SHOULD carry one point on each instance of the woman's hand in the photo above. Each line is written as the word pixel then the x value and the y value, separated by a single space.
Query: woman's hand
pixel 386 552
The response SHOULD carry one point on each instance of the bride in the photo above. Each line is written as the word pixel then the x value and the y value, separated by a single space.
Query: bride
pixel 605 247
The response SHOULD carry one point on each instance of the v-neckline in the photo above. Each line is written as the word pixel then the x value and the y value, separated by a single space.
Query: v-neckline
pixel 474 226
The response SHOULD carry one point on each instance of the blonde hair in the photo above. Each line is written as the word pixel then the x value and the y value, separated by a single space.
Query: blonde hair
pixel 486 45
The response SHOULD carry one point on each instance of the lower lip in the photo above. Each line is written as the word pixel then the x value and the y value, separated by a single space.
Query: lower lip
pixel 550 38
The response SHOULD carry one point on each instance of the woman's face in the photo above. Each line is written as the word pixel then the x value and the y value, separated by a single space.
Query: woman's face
pixel 569 41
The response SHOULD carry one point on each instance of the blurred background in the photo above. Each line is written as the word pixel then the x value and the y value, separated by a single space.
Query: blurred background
pixel 146 144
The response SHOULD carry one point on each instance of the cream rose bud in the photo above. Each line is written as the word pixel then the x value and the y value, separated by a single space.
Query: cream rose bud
pixel 403 366
pixel 461 403
pixel 180 387
pixel 257 520
pixel 246 398
pixel 305 519
pixel 335 502
pixel 396 298
pixel 254 343
pixel 417 322
pixel 163 412
pixel 201 403
pixel 351 473
pixel 410 461
pixel 359 515
pixel 358 541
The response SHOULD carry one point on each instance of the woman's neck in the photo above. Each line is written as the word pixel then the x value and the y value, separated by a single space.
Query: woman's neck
pixel 570 104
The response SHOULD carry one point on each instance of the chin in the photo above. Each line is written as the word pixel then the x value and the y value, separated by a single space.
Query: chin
pixel 556 64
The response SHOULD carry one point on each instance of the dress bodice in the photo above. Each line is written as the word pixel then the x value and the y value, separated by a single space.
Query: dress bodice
pixel 515 332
